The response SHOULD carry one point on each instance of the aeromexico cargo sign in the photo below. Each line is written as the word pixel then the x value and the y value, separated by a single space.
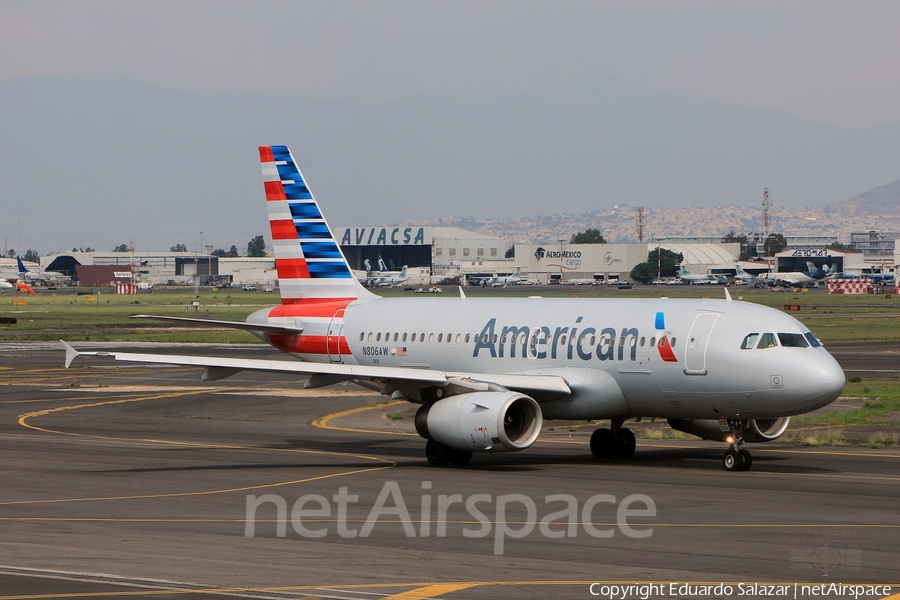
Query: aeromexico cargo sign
pixel 384 236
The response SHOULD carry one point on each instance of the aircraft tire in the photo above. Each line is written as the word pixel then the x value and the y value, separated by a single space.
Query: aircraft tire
pixel 732 460
pixel 602 443
pixel 437 454
pixel 748 459
pixel 625 445
pixel 460 457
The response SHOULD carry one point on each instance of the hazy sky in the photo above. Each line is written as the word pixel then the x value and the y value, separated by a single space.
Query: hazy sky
pixel 830 62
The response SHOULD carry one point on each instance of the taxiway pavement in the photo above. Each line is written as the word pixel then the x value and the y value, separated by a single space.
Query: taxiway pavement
pixel 137 480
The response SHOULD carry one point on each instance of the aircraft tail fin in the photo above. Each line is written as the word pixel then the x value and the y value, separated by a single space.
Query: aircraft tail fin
pixel 310 265
pixel 22 269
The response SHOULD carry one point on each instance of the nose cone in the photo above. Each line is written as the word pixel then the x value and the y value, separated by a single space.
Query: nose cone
pixel 822 379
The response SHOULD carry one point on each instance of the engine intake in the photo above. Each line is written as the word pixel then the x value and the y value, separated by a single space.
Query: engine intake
pixel 482 421
pixel 755 430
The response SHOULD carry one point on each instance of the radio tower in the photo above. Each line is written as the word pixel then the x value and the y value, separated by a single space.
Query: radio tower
pixel 640 224
pixel 767 219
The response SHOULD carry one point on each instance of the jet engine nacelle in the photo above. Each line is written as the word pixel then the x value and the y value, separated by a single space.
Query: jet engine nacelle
pixel 482 421
pixel 755 430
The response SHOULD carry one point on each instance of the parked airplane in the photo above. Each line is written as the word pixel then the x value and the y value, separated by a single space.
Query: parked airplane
pixel 687 277
pixel 27 275
pixel 383 277
pixel 486 372
pixel 812 275
pixel 498 281
pixel 741 275
pixel 5 285
pixel 390 279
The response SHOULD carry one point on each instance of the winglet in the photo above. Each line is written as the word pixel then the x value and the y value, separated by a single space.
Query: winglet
pixel 462 294
pixel 727 294
pixel 71 353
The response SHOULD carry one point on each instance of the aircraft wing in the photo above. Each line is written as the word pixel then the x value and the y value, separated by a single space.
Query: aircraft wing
pixel 329 373
pixel 229 324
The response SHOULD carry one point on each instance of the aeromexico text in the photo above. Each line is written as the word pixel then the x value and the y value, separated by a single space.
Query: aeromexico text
pixel 562 254
pixel 542 342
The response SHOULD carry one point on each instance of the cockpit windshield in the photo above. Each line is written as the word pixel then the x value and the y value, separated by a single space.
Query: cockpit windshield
pixel 767 340
pixel 761 341
pixel 812 339
pixel 792 340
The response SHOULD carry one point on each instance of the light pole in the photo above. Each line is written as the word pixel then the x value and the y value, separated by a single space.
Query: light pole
pixel 197 274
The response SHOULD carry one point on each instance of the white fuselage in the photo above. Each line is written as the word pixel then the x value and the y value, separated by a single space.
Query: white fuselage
pixel 607 350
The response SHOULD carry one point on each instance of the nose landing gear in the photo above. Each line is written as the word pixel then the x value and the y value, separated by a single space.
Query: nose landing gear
pixel 736 458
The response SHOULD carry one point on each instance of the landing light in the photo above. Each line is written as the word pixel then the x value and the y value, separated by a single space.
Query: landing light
pixel 730 439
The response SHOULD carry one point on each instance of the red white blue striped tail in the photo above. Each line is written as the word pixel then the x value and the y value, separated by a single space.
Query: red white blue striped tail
pixel 311 267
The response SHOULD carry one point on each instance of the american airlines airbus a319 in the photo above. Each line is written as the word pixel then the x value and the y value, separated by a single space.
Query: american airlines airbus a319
pixel 487 372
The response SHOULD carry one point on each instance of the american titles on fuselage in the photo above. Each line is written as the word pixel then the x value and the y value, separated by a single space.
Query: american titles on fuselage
pixel 542 342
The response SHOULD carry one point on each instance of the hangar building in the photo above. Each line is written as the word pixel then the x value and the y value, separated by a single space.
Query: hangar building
pixel 442 249
pixel 559 263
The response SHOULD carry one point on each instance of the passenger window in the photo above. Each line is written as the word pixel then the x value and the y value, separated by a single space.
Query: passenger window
pixel 749 341
pixel 440 337
pixel 812 339
pixel 378 337
pixel 652 341
pixel 430 338
pixel 404 337
pixel 396 335
pixel 792 340
pixel 370 336
pixel 562 340
pixel 459 337
pixel 766 340
pixel 468 337
pixel 361 336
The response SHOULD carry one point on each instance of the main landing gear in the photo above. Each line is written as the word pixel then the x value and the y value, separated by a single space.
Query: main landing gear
pixel 736 458
pixel 439 454
pixel 617 441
